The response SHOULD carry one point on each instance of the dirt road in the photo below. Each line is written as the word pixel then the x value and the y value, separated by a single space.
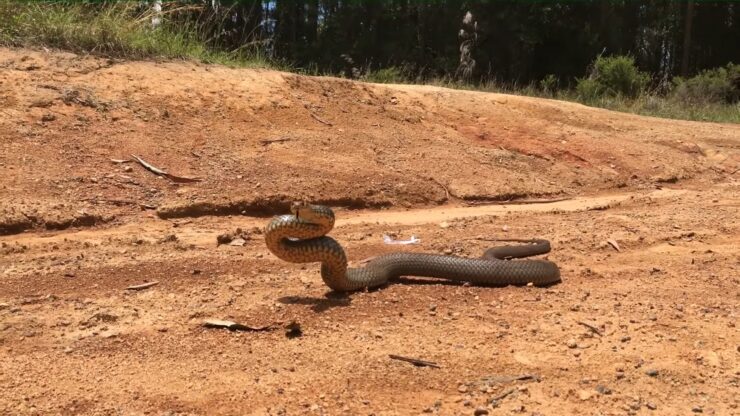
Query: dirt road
pixel 645 328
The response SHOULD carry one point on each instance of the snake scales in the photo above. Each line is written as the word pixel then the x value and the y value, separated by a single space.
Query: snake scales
pixel 301 238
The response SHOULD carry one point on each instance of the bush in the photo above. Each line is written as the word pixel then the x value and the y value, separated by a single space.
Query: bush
pixel 549 84
pixel 718 85
pixel 613 76
pixel 391 75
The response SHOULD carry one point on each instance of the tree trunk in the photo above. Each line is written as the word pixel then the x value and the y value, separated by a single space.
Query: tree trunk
pixel 687 38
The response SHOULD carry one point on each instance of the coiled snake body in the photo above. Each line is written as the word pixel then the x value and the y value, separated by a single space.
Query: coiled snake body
pixel 301 238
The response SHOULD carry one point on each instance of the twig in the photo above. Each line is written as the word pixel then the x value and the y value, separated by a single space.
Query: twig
pixel 519 201
pixel 502 395
pixel 117 202
pixel 160 172
pixel 515 240
pixel 320 120
pixel 447 191
pixel 614 244
pixel 278 140
pixel 414 361
pixel 233 326
pixel 142 286
pixel 593 329
pixel 509 379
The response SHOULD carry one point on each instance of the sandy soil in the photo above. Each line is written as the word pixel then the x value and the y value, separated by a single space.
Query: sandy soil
pixel 648 328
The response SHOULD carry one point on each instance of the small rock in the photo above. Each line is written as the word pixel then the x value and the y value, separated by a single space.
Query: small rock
pixel 127 168
pixel 224 239
pixel 697 409
pixel 625 339
pixel 462 388
pixel 651 405
pixel 480 411
pixel 603 389
pixel 48 117
pixel 444 224
pixel 652 372
pixel 293 330
pixel 571 343
pixel 505 228
pixel 584 395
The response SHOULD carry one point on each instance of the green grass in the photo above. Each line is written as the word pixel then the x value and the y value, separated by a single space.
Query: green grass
pixel 668 107
pixel 646 104
pixel 113 29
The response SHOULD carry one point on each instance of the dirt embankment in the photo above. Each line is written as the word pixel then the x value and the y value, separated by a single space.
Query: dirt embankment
pixel 260 139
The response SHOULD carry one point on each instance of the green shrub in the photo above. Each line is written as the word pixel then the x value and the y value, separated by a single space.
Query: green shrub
pixel 613 76
pixel 390 75
pixel 588 89
pixel 718 85
pixel 549 84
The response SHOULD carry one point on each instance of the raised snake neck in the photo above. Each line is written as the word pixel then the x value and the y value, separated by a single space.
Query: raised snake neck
pixel 301 238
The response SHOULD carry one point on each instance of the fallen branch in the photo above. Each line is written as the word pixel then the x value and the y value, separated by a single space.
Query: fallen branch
pixel 414 361
pixel 233 326
pixel 320 120
pixel 593 328
pixel 142 286
pixel 519 201
pixel 278 140
pixel 160 172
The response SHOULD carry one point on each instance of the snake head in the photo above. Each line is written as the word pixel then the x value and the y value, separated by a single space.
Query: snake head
pixel 315 214
pixel 301 209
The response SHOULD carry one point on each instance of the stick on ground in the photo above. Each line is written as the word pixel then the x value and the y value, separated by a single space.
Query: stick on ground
pixel 415 361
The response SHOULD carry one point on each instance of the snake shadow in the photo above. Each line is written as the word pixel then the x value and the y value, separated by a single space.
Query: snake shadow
pixel 329 301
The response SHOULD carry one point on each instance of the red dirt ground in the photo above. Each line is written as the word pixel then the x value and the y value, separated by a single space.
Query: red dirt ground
pixel 646 329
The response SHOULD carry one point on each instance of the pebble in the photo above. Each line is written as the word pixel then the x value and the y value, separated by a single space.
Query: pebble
pixel 651 405
pixel 444 224
pixel 584 395
pixel 481 411
pixel 603 389
pixel 571 343
pixel 462 388
pixel 652 372
pixel 697 409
